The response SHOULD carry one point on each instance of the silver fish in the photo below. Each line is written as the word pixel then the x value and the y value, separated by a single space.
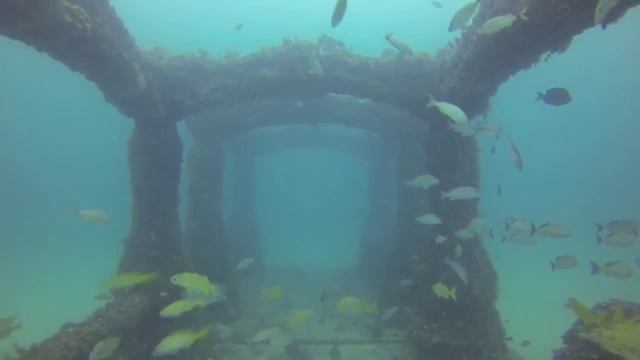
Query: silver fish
pixel 462 16
pixel 554 231
pixel 618 240
pixel 441 239
pixel 615 269
pixel 624 226
pixel 458 251
pixel 564 262
pixel 464 234
pixel 460 193
pixel 458 269
pixel 389 314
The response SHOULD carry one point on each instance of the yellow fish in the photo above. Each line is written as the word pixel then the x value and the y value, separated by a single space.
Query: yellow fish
pixel 180 307
pixel 272 294
pixel 129 279
pixel 179 340
pixel 354 305
pixel 194 283
pixel 444 292
pixel 300 317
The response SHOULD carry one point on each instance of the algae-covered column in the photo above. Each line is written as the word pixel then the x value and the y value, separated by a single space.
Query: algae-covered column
pixel 205 234
pixel 243 225
pixel 377 228
pixel 470 325
pixel 409 204
pixel 154 242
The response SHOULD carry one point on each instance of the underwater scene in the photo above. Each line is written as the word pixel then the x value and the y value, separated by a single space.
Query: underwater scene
pixel 320 179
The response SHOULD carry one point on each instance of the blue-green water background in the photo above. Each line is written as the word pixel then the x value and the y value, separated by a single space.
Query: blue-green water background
pixel 63 147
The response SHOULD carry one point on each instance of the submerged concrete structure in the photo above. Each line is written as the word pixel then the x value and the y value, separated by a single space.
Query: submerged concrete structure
pixel 157 90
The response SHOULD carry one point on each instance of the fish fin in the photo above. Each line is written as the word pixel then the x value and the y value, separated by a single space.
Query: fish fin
pixel 610 263
pixel 599 239
pixel 388 35
pixel 453 294
pixel 553 267
pixel 595 268
pixel 491 234
pixel 523 15
pixel 432 101
pixel 540 96
pixel 600 227
pixel 533 229
pixel 504 238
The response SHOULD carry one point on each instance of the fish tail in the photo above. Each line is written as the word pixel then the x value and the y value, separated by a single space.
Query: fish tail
pixel 504 238
pixel 595 268
pixel 432 101
pixel 388 35
pixel 523 15
pixel 553 267
pixel 443 195
pixel 540 96
pixel 600 227
pixel 453 293
pixel 533 229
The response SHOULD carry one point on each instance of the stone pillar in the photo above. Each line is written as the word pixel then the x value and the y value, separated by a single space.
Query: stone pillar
pixel 242 223
pixel 377 233
pixel 205 234
pixel 401 258
pixel 470 325
pixel 154 242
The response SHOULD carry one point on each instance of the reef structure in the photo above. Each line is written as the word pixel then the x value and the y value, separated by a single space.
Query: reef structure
pixel 609 331
pixel 157 90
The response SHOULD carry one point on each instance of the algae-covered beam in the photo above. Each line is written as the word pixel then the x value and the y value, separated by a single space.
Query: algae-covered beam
pixel 88 37
pixel 225 122
pixel 476 65
pixel 298 69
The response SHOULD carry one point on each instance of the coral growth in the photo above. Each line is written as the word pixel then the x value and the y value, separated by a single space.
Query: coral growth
pixel 612 328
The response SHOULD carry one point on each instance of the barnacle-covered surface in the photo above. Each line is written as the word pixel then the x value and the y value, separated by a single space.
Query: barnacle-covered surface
pixel 225 122
pixel 610 331
pixel 302 69
pixel 75 341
